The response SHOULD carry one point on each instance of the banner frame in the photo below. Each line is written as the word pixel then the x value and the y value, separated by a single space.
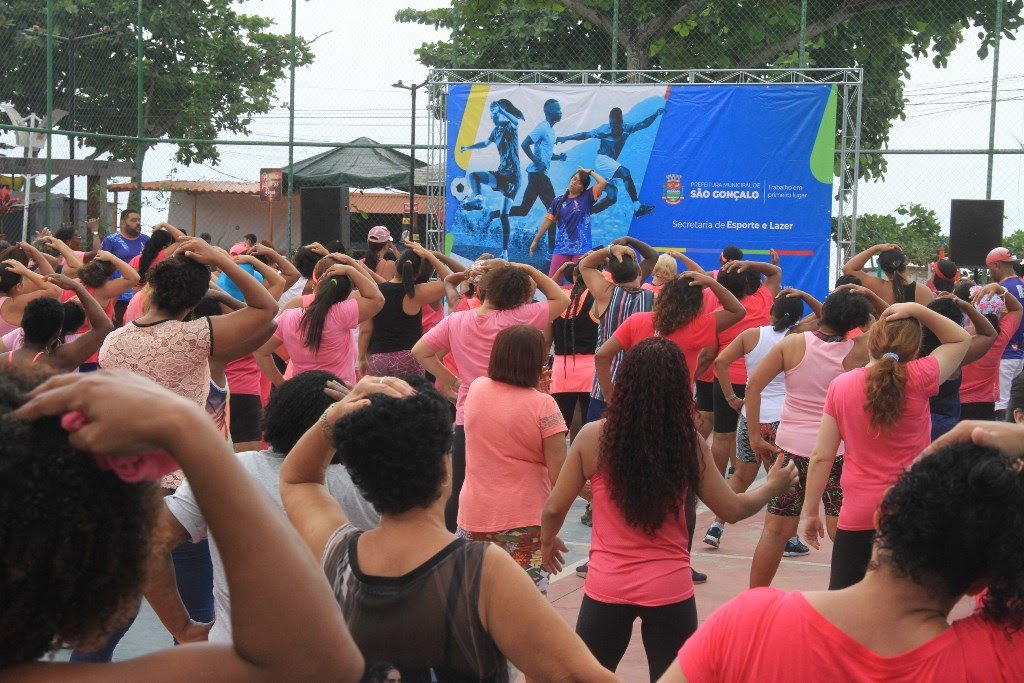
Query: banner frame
pixel 849 84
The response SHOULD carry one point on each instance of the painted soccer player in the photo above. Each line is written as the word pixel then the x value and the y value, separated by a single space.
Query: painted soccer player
pixel 538 146
pixel 613 136
pixel 505 179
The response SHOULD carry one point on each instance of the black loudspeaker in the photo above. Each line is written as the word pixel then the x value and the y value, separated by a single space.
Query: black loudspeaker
pixel 975 228
pixel 321 214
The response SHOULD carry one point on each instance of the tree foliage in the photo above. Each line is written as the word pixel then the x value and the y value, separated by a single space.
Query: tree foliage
pixel 915 228
pixel 881 36
pixel 208 68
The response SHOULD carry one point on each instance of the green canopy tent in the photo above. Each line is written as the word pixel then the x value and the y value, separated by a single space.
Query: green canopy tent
pixel 324 181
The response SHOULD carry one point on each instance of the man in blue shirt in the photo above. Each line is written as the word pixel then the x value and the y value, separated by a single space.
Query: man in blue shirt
pixel 1000 264
pixel 127 243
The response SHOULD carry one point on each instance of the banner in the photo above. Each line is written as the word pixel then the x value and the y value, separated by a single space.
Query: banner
pixel 691 168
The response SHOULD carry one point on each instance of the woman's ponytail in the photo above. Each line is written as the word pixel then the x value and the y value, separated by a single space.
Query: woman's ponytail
pixel 893 344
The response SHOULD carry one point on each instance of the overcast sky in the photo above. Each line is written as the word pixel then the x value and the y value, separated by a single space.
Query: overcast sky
pixel 346 93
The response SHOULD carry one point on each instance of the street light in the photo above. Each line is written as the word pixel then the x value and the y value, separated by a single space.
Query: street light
pixel 412 153
pixel 72 43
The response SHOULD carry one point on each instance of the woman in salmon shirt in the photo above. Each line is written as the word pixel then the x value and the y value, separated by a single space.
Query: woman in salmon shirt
pixel 881 413
pixel 515 447
pixel 893 626
pixel 643 460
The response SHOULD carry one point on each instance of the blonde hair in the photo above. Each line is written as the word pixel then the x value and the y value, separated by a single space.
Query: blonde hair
pixel 665 268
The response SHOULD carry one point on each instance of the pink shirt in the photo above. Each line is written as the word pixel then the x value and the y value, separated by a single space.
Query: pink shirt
pixel 629 567
pixel 807 385
pixel 5 326
pixel 507 479
pixel 873 460
pixel 763 624
pixel 243 375
pixel 710 306
pixel 468 337
pixel 431 317
pixel 136 305
pixel 690 338
pixel 337 353
pixel 980 383
pixel 759 307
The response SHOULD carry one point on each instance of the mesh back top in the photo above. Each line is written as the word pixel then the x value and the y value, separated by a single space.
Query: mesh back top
pixel 425 623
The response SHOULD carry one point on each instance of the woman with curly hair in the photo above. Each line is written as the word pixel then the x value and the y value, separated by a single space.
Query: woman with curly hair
pixel 77 468
pixel 677 316
pixel 417 597
pixel 881 412
pixel 893 624
pixel 643 460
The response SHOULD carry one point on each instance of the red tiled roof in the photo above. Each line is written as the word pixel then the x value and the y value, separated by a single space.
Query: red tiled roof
pixel 194 186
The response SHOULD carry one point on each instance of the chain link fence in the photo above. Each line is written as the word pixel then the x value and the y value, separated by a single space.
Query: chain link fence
pixel 181 90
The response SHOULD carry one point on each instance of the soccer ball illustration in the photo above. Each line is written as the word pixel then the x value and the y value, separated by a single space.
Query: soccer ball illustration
pixel 460 188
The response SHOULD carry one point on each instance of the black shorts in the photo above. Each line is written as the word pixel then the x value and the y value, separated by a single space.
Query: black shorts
pixel 726 418
pixel 507 184
pixel 705 393
pixel 246 415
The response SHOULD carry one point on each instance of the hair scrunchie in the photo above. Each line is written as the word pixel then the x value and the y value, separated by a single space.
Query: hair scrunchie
pixel 149 465
pixel 890 354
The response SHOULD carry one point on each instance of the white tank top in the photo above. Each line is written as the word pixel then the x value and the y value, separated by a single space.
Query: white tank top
pixel 775 392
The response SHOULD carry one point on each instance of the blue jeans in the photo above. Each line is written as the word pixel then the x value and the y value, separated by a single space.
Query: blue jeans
pixel 194 575
pixel 595 411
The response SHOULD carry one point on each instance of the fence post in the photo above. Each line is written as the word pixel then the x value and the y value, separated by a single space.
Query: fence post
pixel 455 34
pixel 140 148
pixel 49 111
pixel 615 39
pixel 803 34
pixel 291 131
pixel 995 92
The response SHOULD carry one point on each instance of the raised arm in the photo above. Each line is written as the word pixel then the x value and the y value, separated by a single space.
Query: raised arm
pixel 645 123
pixel 313 511
pixel 688 263
pixel 287 269
pixel 74 353
pixel 812 303
pixel 648 254
pixel 260 308
pixel 772 274
pixel 558 300
pixel 129 276
pixel 65 251
pixel 286 624
pixel 273 281
pixel 370 299
pixel 732 310
pixel 598 286
pixel 984 332
pixel 599 182
pixel 954 339
pixel 451 288
pixel 39 282
pixel 43 266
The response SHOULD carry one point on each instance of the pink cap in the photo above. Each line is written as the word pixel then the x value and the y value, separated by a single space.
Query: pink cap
pixel 999 254
pixel 378 235
pixel 238 248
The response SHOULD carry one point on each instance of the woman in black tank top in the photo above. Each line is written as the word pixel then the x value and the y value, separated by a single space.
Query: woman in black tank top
pixel 386 341
pixel 433 606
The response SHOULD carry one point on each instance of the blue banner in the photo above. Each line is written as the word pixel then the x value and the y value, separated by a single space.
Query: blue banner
pixel 692 168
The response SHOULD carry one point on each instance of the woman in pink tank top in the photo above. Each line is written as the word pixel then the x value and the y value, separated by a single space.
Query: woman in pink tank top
pixel 810 361
pixel 642 464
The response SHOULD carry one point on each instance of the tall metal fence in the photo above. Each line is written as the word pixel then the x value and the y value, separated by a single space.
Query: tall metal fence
pixel 189 90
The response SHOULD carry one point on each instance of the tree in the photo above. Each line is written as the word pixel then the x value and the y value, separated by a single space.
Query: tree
pixel 207 69
pixel 882 36
pixel 915 228
pixel 1015 243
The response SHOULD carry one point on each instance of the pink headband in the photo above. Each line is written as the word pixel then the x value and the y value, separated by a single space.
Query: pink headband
pixel 129 467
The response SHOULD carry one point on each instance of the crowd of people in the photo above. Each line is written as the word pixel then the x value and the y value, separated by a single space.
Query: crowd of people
pixel 318 466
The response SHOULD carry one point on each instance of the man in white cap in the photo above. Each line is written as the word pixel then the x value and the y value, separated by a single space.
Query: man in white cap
pixel 1000 264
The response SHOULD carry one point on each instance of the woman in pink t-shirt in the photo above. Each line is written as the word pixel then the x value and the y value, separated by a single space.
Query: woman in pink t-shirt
pixel 515 447
pixel 643 460
pixel 893 625
pixel 882 414
pixel 318 336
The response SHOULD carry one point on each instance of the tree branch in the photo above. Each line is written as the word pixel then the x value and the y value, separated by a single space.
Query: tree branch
pixel 592 15
pixel 659 26
pixel 847 11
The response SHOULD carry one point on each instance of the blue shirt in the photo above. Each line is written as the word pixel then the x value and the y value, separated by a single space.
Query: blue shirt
pixel 225 283
pixel 124 249
pixel 543 146
pixel 1015 349
pixel 572 216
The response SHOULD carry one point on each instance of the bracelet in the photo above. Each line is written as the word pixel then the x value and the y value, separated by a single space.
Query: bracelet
pixel 325 425
pixel 730 398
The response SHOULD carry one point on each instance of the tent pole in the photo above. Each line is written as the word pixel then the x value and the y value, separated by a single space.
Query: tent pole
pixel 194 198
